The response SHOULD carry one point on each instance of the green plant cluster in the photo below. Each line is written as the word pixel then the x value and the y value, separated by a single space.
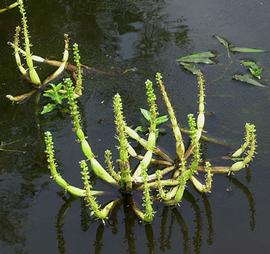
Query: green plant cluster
pixel 55 93
pixel 157 175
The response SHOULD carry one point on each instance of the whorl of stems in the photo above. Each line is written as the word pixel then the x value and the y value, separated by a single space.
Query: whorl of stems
pixel 77 60
pixel 251 130
pixel 147 200
pixel 180 147
pixel 126 179
pixel 56 175
pixel 16 51
pixel 32 72
pixel 110 167
pixel 201 117
pixel 151 98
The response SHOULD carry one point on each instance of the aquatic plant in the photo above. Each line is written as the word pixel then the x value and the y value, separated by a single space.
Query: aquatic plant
pixel 30 73
pixel 189 62
pixel 156 175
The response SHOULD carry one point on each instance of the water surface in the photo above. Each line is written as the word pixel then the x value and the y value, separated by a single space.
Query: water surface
pixel 129 41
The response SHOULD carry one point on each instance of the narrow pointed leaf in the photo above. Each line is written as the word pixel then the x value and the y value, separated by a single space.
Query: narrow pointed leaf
pixel 203 60
pixel 203 57
pixel 140 128
pixel 162 119
pixel 247 50
pixel 191 68
pixel 223 41
pixel 248 79
pixel 146 114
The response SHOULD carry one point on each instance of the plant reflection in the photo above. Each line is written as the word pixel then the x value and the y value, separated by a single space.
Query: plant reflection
pixel 249 198
pixel 164 236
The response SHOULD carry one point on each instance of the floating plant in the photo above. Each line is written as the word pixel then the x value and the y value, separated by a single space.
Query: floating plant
pixel 190 62
pixel 157 175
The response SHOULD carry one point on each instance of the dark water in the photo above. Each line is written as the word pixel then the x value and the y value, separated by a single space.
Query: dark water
pixel 130 41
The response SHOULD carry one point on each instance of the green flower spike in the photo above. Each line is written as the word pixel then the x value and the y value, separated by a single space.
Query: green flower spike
pixel 126 179
pixel 77 60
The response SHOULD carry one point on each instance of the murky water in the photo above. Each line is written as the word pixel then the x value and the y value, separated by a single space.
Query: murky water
pixel 128 41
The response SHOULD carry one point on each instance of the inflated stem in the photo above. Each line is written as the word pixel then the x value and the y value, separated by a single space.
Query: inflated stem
pixel 208 180
pixel 180 147
pixel 153 134
pixel 63 64
pixel 77 60
pixel 16 52
pixel 251 131
pixel 247 138
pixel 32 72
pixel 126 179
pixel 201 117
pixel 56 175
pixel 86 148
pixel 11 6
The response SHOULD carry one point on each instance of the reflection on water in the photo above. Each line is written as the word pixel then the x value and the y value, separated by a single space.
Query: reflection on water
pixel 171 222
pixel 126 40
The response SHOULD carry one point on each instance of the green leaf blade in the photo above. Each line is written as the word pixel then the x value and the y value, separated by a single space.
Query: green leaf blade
pixel 146 114
pixel 223 41
pixel 203 57
pixel 48 108
pixel 191 68
pixel 247 79
pixel 246 50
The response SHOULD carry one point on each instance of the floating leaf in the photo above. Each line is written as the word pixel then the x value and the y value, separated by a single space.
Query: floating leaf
pixel 223 41
pixel 48 108
pixel 203 57
pixel 146 114
pixel 255 70
pixel 162 119
pixel 246 50
pixel 191 67
pixel 247 79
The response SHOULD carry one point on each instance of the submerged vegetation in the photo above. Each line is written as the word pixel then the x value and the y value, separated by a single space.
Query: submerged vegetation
pixel 156 175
